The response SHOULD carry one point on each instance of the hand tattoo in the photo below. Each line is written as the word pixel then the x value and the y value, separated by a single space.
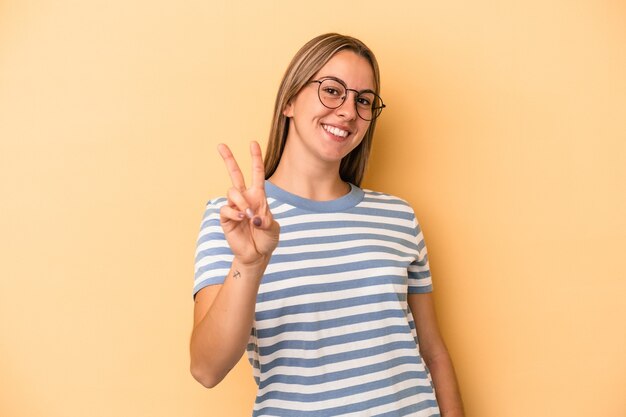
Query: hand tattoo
pixel 236 274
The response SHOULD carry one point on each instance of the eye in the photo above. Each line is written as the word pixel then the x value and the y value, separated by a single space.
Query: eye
pixel 366 100
pixel 362 101
pixel 332 91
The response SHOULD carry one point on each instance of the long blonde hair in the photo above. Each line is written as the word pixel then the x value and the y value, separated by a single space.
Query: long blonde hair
pixel 306 63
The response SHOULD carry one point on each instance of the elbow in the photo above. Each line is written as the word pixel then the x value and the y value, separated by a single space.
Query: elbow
pixel 434 359
pixel 204 377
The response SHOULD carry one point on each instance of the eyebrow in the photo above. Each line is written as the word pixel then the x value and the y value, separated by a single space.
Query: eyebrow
pixel 330 77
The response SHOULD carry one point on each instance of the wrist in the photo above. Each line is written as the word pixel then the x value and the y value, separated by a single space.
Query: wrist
pixel 254 267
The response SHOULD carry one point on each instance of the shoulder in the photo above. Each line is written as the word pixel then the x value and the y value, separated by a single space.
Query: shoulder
pixel 211 214
pixel 216 203
pixel 387 201
pixel 213 206
pixel 392 206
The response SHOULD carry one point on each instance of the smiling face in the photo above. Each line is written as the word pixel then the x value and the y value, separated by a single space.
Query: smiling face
pixel 319 134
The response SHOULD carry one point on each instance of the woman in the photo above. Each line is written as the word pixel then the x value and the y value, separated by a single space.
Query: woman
pixel 327 285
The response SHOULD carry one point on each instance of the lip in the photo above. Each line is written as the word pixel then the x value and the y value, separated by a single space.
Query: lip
pixel 337 126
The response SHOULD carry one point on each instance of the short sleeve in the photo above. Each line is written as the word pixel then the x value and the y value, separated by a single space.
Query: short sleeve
pixel 420 280
pixel 213 255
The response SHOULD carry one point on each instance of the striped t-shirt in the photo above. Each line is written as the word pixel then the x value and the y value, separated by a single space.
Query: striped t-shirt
pixel 333 334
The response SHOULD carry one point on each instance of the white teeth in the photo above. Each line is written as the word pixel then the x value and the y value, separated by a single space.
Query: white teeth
pixel 335 131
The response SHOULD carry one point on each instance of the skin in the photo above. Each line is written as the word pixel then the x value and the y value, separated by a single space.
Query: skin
pixel 309 167
pixel 223 314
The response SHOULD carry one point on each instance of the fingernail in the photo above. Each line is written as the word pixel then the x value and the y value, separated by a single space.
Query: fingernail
pixel 241 215
pixel 249 213
pixel 257 221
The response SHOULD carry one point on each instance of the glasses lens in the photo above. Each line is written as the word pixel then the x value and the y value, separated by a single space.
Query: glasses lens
pixel 377 107
pixel 332 93
pixel 366 105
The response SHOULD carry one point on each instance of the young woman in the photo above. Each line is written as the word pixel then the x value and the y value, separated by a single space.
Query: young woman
pixel 325 284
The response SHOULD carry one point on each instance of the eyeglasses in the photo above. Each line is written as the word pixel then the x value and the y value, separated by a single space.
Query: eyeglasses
pixel 332 93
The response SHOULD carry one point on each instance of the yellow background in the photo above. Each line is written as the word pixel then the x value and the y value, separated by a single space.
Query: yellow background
pixel 505 129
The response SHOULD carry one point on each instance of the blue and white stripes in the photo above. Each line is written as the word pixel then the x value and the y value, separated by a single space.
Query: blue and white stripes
pixel 333 334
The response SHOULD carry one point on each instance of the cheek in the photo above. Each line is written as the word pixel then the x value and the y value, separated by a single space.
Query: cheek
pixel 360 138
pixel 305 105
pixel 363 128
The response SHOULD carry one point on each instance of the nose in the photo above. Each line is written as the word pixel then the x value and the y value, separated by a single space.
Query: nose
pixel 347 109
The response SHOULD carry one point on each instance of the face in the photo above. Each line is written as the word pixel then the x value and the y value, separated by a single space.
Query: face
pixel 326 134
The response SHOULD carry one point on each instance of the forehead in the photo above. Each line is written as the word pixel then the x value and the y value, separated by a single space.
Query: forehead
pixel 353 69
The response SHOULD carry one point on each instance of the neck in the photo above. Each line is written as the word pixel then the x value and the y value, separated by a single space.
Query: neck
pixel 312 180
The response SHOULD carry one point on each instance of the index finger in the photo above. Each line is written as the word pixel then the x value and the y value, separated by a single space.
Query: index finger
pixel 233 168
pixel 258 169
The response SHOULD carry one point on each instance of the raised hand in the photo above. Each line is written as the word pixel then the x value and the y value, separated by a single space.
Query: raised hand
pixel 249 227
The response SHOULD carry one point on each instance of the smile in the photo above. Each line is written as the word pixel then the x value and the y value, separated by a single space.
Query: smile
pixel 336 131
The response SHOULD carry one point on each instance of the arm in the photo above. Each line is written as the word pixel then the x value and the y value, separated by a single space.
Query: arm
pixel 435 354
pixel 223 314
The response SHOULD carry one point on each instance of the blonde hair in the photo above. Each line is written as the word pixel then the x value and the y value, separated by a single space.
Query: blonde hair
pixel 306 63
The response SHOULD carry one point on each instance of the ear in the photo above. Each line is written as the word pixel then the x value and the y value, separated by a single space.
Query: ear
pixel 288 110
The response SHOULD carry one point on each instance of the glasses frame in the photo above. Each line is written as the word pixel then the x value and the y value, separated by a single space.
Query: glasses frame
pixel 376 111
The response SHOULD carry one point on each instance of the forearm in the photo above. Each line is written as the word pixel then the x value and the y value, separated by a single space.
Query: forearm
pixel 220 337
pixel 446 386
